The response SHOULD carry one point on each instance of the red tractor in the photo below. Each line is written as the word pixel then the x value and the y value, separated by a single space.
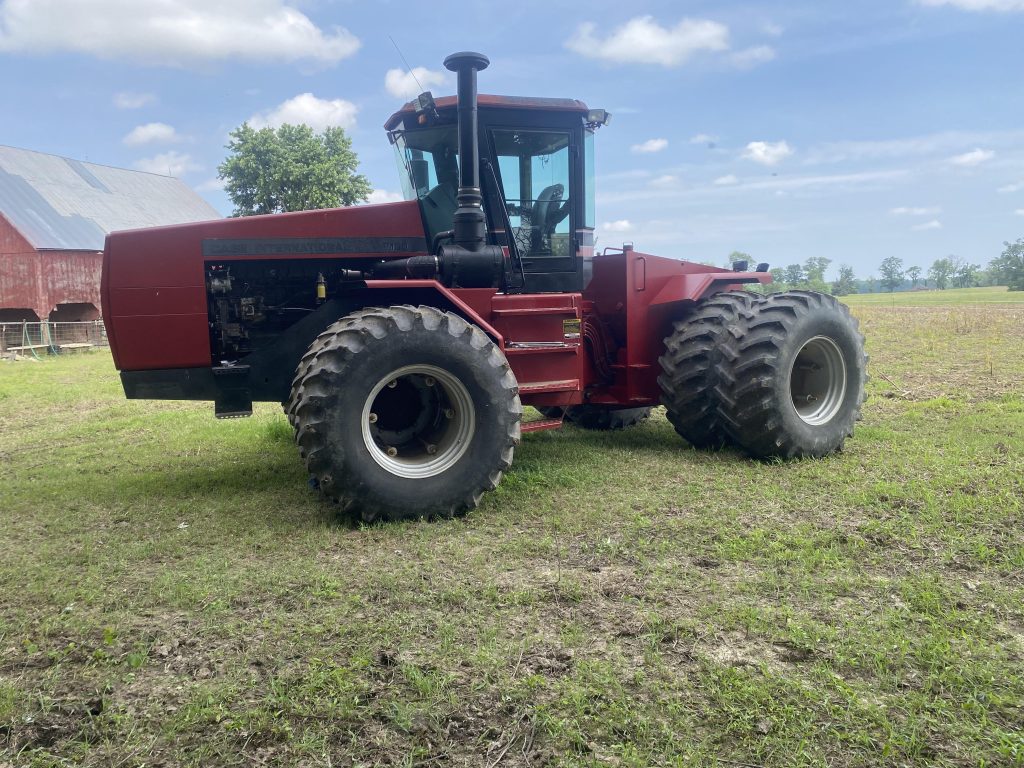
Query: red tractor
pixel 404 339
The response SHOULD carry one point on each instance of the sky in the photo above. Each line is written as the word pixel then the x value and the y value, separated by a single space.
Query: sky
pixel 853 131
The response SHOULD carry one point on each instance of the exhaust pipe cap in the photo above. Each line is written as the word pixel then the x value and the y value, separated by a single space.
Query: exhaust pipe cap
pixel 464 59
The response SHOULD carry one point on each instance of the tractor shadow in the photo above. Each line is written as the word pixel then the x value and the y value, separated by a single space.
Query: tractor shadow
pixel 264 481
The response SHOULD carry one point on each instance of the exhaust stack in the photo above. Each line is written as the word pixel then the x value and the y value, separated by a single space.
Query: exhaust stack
pixel 468 226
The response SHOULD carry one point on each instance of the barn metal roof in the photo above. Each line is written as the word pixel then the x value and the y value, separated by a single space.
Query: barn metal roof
pixel 57 203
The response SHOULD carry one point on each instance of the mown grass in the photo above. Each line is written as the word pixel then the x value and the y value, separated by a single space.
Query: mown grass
pixel 173 593
pixel 989 295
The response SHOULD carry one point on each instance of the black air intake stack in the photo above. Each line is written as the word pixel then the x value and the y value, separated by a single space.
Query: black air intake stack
pixel 468 224
pixel 467 261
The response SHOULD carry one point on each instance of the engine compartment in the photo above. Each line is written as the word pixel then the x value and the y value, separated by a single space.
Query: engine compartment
pixel 252 302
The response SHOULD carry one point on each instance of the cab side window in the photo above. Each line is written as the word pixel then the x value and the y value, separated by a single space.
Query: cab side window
pixel 535 170
pixel 429 169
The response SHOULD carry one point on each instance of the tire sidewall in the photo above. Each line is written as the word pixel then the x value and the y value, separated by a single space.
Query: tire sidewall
pixel 820 439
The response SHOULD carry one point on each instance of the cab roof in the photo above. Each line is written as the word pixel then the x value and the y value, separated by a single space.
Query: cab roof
pixel 500 102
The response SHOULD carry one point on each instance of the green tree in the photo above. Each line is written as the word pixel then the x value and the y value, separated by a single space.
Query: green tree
pixel 291 168
pixel 795 274
pixel 814 269
pixel 967 274
pixel 940 272
pixel 778 282
pixel 914 273
pixel 847 283
pixel 1008 269
pixel 892 272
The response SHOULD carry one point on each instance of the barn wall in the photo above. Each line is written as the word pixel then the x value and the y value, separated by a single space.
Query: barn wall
pixel 40 280
pixel 70 277
pixel 19 277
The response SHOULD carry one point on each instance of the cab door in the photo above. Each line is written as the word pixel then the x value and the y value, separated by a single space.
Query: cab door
pixel 540 184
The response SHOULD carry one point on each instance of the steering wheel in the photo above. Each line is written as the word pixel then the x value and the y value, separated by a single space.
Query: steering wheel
pixel 548 211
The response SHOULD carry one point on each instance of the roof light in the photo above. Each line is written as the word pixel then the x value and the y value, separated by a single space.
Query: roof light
pixel 596 117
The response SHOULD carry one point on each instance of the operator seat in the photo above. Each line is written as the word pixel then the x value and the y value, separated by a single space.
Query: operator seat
pixel 439 206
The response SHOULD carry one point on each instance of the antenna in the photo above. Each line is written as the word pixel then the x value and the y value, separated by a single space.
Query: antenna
pixel 407 67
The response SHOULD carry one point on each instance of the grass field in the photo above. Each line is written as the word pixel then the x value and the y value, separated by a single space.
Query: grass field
pixel 993 295
pixel 173 593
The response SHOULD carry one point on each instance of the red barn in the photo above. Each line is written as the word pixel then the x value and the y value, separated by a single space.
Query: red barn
pixel 54 214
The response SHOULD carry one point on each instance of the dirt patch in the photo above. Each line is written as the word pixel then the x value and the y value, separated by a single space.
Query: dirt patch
pixel 736 649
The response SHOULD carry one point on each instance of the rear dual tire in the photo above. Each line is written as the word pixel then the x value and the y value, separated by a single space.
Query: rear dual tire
pixel 792 383
pixel 778 376
pixel 690 366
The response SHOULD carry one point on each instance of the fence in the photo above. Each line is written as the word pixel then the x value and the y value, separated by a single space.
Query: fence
pixel 50 338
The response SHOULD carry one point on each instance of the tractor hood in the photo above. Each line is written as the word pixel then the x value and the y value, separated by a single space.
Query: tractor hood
pixel 154 283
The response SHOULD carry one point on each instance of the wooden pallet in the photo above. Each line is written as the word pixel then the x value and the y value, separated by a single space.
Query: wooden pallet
pixel 28 347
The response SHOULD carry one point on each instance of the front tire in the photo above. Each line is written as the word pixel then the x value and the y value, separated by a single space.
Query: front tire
pixel 405 413
pixel 793 385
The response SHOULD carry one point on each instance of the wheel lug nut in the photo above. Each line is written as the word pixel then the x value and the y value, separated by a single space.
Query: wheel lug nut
pixel 392 451
pixel 449 413
pixel 428 380
pixel 392 384
pixel 431 450
pixel 373 418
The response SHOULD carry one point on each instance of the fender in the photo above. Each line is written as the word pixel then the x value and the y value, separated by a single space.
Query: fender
pixel 694 287
pixel 442 296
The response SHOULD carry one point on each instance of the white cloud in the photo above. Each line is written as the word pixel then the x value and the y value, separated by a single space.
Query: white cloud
pixel 667 180
pixel 726 181
pixel 817 185
pixel 751 57
pixel 933 224
pixel 151 133
pixel 651 145
pixel 977 5
pixel 402 84
pixel 1010 188
pixel 622 225
pixel 1019 212
pixel 932 144
pixel 168 164
pixel 211 185
pixel 384 196
pixel 910 211
pixel 127 100
pixel 973 158
pixel 767 153
pixel 309 110
pixel 704 138
pixel 772 30
pixel 171 32
pixel 643 41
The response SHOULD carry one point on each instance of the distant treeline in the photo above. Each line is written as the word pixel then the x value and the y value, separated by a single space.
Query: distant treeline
pixel 893 275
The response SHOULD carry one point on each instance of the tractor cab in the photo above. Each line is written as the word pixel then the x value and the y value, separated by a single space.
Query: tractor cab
pixel 536 179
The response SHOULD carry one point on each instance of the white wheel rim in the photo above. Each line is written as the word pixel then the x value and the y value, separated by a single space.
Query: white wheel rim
pixel 817 381
pixel 418 421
